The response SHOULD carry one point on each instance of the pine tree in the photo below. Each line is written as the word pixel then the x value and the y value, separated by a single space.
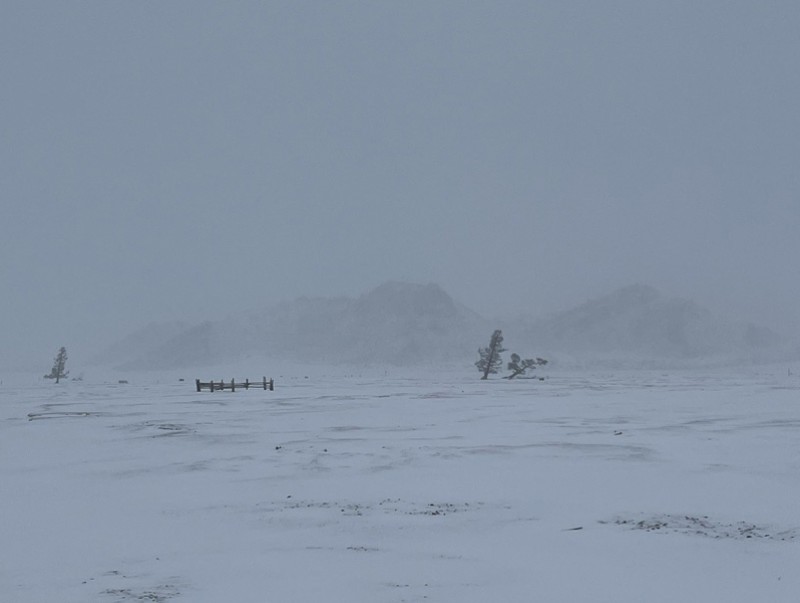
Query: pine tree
pixel 490 361
pixel 58 372
pixel 518 366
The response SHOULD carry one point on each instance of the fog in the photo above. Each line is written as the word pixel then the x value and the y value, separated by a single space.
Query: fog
pixel 192 159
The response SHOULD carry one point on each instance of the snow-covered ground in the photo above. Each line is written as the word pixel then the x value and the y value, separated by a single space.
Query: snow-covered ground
pixel 381 486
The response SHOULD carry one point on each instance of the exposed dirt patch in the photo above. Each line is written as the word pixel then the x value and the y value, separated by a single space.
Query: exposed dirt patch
pixel 703 525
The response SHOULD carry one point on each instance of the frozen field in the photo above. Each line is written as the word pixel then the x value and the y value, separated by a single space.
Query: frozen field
pixel 601 487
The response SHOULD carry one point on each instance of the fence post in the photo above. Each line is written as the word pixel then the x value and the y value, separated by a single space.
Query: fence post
pixel 247 383
pixel 265 383
pixel 233 385
pixel 197 382
pixel 211 385
pixel 271 385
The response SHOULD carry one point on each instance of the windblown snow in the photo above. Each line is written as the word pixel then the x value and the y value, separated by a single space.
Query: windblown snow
pixel 389 485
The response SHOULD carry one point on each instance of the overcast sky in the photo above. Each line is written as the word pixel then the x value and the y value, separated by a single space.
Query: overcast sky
pixel 190 159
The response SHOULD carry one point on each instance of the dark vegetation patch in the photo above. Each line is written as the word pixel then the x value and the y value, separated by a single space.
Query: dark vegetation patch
pixel 703 525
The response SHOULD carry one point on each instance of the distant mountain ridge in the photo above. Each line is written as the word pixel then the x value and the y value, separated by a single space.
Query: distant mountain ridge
pixel 409 324
pixel 638 322
pixel 140 342
pixel 396 323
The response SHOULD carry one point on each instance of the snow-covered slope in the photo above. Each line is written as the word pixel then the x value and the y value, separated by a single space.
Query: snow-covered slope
pixel 414 324
pixel 396 323
pixel 638 325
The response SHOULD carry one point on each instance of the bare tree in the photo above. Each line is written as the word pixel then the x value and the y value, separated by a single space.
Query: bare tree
pixel 490 361
pixel 518 366
pixel 58 372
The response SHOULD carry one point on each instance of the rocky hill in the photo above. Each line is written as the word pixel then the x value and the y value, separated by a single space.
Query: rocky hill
pixel 396 323
pixel 413 324
pixel 638 325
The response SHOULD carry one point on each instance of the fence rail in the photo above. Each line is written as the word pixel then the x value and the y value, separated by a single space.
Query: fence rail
pixel 232 385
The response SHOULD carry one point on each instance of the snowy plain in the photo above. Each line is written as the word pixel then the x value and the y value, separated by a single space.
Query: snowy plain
pixel 398 485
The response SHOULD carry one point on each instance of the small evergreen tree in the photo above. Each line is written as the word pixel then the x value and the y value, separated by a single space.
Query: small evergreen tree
pixel 58 372
pixel 518 366
pixel 490 361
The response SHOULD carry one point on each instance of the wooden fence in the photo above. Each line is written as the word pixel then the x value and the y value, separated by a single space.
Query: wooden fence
pixel 215 386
